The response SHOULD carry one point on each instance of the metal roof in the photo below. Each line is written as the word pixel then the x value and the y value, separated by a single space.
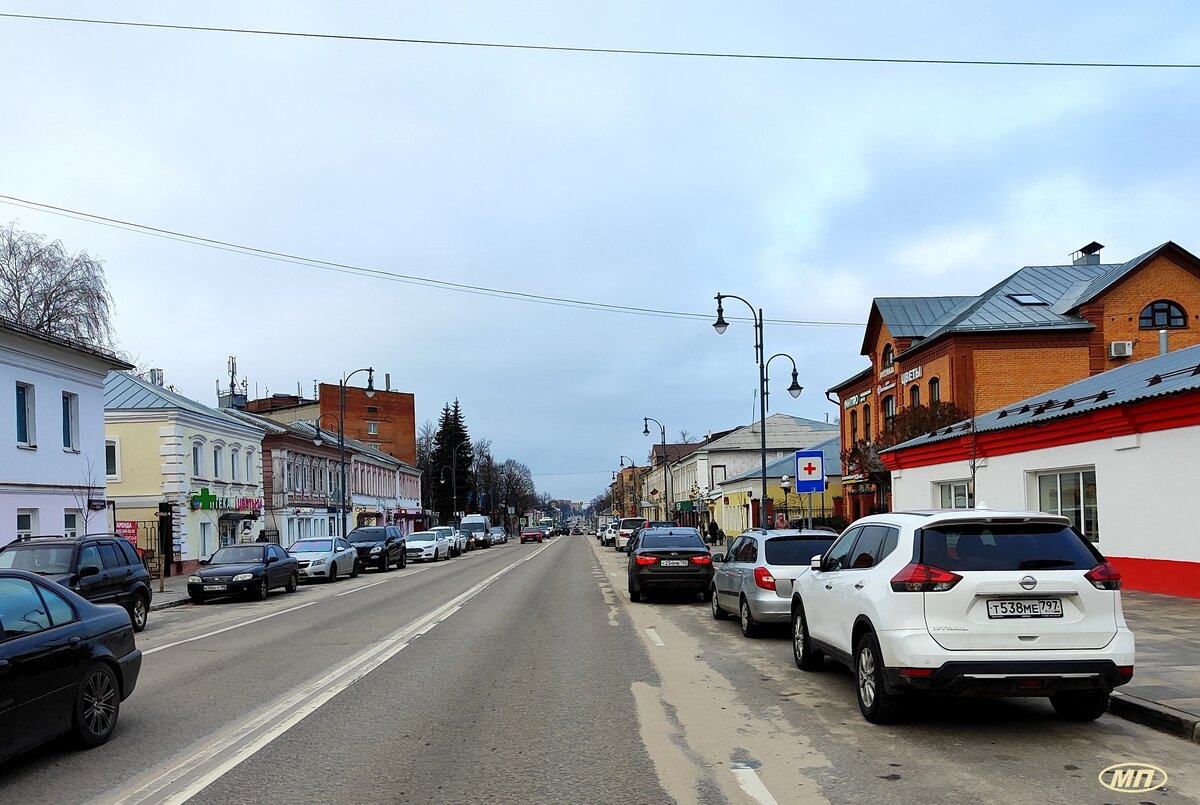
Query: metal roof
pixel 831 448
pixel 917 316
pixel 1172 373
pixel 783 430
pixel 126 392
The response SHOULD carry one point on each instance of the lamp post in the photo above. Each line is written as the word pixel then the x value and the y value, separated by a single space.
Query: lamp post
pixel 318 440
pixel 794 389
pixel 662 429
pixel 454 478
pixel 785 483
pixel 623 485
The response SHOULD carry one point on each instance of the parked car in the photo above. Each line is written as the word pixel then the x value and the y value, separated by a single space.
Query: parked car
pixel 103 568
pixel 253 569
pixel 755 578
pixel 428 545
pixel 532 533
pixel 499 535
pixel 325 558
pixel 66 664
pixel 671 557
pixel 379 546
pixel 966 602
pixel 457 539
pixel 476 527
pixel 607 535
pixel 625 529
pixel 644 524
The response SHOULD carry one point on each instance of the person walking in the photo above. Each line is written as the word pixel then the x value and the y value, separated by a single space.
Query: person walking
pixel 714 533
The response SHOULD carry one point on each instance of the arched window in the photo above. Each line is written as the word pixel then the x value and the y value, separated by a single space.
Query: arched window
pixel 889 356
pixel 853 427
pixel 935 390
pixel 889 411
pixel 1162 314
pixel 914 395
pixel 218 461
pixel 867 422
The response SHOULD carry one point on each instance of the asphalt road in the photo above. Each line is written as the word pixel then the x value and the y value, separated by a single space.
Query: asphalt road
pixel 523 674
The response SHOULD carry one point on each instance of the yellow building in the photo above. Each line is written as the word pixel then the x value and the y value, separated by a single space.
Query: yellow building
pixel 735 502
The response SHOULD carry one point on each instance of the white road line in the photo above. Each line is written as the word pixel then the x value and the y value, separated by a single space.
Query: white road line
pixel 360 589
pixel 654 638
pixel 200 769
pixel 748 779
pixel 238 625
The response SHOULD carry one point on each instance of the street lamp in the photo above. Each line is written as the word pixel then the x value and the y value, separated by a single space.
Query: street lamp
pixel 454 477
pixel 662 429
pixel 720 325
pixel 785 483
pixel 318 440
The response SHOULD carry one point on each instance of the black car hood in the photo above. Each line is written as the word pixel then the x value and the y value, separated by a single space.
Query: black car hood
pixel 209 571
pixel 368 545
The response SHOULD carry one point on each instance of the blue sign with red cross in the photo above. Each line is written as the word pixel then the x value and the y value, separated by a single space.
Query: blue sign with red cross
pixel 810 471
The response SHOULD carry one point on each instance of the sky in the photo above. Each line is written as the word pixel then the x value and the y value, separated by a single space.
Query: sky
pixel 640 181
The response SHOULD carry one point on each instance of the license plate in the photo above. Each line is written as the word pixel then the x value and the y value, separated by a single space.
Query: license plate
pixel 674 562
pixel 215 587
pixel 1026 608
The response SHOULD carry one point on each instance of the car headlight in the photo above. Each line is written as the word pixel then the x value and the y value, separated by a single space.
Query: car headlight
pixel 195 580
pixel 376 549
pixel 243 577
pixel 318 561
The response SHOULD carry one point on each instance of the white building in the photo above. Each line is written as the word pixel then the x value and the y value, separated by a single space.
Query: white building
pixel 52 476
pixel 1115 453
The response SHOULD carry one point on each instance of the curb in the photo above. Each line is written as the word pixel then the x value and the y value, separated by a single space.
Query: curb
pixel 1159 716
pixel 168 604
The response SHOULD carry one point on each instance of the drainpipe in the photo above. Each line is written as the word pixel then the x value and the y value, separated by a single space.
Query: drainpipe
pixel 1162 342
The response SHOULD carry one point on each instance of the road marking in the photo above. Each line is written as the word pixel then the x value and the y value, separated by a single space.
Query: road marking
pixel 196 770
pixel 654 638
pixel 237 625
pixel 401 575
pixel 612 615
pixel 749 780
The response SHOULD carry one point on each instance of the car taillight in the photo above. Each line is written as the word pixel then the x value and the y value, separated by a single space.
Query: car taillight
pixel 703 559
pixel 1104 576
pixel 919 578
pixel 645 560
pixel 763 578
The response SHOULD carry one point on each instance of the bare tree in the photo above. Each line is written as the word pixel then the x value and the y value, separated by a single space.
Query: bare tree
pixel 425 445
pixel 45 288
pixel 90 486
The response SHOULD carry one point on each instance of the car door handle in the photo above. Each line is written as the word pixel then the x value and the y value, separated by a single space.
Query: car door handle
pixel 829 586
pixel 74 640
pixel 4 664
pixel 859 586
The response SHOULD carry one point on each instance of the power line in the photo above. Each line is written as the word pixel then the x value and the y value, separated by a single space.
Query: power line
pixel 695 54
pixel 376 273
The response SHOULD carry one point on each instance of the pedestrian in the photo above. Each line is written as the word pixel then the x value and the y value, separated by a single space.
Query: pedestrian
pixel 714 531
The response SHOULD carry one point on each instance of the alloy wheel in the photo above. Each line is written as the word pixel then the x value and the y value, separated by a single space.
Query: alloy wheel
pixel 139 613
pixel 99 702
pixel 866 676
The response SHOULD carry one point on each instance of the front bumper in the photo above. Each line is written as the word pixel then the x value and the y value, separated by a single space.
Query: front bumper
pixel 231 588
pixel 314 572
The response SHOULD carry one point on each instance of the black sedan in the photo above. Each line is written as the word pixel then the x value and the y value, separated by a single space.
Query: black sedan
pixel 380 546
pixel 66 664
pixel 669 558
pixel 252 569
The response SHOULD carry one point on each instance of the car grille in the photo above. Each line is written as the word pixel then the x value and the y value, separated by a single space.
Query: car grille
pixel 304 565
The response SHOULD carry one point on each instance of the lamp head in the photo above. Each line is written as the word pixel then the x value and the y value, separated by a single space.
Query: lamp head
pixel 645 426
pixel 795 388
pixel 370 382
pixel 785 483
pixel 720 325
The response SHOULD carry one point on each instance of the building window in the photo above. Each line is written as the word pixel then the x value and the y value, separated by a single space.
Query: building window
pixel 218 461
pixel 250 467
pixel 889 356
pixel 26 522
pixel 1073 495
pixel 70 425
pixel 914 395
pixel 853 427
pixel 935 390
pixel 889 411
pixel 1162 314
pixel 372 428
pixel 234 460
pixel 955 495
pixel 71 523
pixel 112 460
pixel 207 545
pixel 197 460
pixel 867 422
pixel 25 418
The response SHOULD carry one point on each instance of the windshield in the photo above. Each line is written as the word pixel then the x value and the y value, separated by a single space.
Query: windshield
pixel 445 531
pixel 311 546
pixel 1006 546
pixel 237 555
pixel 795 550
pixel 687 540
pixel 473 528
pixel 366 535
pixel 630 523
pixel 44 559
pixel 424 536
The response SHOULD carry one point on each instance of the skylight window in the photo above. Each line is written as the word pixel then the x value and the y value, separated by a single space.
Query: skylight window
pixel 1027 299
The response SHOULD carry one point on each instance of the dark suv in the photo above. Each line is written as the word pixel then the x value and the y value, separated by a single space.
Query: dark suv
pixel 379 546
pixel 103 568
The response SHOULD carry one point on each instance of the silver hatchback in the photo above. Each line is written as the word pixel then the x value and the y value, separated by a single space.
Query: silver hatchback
pixel 754 579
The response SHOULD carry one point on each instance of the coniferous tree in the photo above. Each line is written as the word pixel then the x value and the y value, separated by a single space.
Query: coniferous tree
pixel 453 459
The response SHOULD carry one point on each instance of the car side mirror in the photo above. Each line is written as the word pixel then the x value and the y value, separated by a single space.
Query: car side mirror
pixel 88 570
pixel 815 563
pixel 718 557
pixel 204 561
pixel 271 560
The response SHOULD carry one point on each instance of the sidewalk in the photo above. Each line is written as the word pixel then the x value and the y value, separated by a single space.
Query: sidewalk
pixel 175 593
pixel 1165 690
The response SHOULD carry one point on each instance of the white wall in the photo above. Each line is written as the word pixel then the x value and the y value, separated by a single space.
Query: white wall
pixel 1144 482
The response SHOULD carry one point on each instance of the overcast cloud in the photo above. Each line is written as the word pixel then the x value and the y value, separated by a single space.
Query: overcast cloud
pixel 807 188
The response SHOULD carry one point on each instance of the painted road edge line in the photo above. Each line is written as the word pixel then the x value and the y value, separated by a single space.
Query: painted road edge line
pixel 750 782
pixel 237 625
pixel 654 638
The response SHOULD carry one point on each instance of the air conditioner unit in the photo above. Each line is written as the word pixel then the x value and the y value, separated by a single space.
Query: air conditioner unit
pixel 1120 349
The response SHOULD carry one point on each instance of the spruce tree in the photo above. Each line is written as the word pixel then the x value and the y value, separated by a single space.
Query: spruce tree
pixel 453 460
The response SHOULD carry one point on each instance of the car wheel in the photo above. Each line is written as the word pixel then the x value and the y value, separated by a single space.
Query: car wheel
pixel 1086 705
pixel 384 564
pixel 435 554
pixel 332 573
pixel 139 611
pixel 355 569
pixel 293 583
pixel 746 617
pixel 877 705
pixel 635 595
pixel 403 559
pixel 807 658
pixel 97 705
pixel 718 613
pixel 260 592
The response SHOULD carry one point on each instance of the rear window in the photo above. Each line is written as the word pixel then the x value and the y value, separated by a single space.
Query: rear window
pixel 795 550
pixel 630 523
pixel 1006 546
pixel 685 540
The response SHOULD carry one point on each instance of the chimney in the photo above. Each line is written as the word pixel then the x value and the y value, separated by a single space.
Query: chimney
pixel 156 377
pixel 1088 255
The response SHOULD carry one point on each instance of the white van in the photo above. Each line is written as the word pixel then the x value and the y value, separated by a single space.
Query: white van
pixel 476 527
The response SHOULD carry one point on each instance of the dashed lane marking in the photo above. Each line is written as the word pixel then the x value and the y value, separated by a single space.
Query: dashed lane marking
pixel 750 782
pixel 654 638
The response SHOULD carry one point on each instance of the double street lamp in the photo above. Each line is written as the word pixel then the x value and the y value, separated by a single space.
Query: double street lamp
pixel 319 440
pixel 662 429
pixel 454 478
pixel 720 325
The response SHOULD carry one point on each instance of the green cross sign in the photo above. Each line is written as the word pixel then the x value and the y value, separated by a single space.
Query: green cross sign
pixel 205 500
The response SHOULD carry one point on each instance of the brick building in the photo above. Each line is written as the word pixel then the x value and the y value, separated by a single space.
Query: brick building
pixel 1038 329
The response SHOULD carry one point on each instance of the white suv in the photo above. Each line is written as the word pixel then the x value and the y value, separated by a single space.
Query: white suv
pixel 966 602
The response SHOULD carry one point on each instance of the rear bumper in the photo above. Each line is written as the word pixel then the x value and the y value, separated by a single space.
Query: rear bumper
pixel 1027 678
pixel 129 667
pixel 767 607
pixel 662 581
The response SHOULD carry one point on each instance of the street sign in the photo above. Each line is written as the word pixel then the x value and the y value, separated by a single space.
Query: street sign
pixel 810 471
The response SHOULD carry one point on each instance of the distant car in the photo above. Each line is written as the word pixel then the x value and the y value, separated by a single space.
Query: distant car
pixel 253 569
pixel 66 664
pixel 532 533
pixel 499 535
pixel 607 535
pixel 755 578
pixel 103 568
pixel 669 558
pixel 428 546
pixel 576 529
pixel 379 546
pixel 325 558
pixel 458 540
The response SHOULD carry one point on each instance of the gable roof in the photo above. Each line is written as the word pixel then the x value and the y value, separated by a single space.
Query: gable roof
pixel 1172 373
pixel 783 431
pixel 674 451
pixel 126 392
pixel 103 356
pixel 913 316
pixel 831 448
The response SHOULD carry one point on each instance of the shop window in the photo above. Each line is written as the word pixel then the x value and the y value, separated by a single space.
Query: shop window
pixel 1162 314
pixel 914 396
pixel 935 390
pixel 955 495
pixel 1073 495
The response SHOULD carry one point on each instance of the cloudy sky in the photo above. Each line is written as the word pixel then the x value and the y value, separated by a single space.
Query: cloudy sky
pixel 630 180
